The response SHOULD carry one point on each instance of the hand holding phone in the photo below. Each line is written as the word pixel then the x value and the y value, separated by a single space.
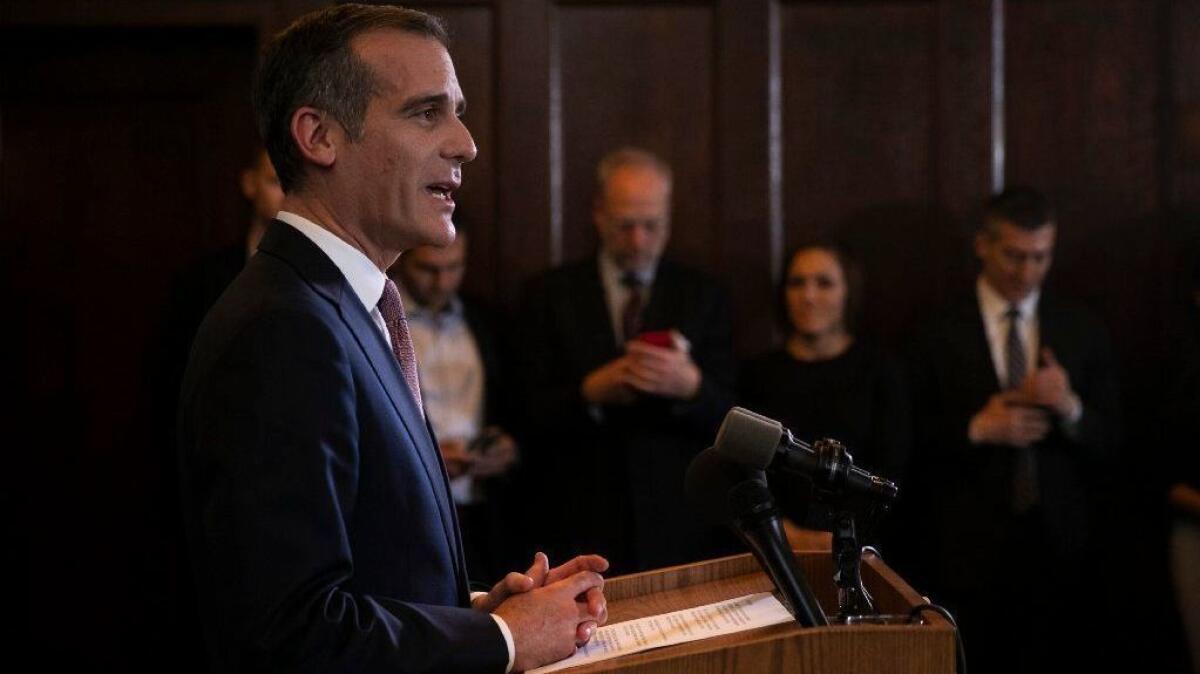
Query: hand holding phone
pixel 666 339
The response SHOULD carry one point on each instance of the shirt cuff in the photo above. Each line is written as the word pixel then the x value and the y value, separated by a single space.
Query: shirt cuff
pixel 508 641
pixel 1070 423
pixel 1076 412
pixel 508 637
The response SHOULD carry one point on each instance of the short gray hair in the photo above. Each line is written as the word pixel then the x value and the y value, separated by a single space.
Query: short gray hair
pixel 626 157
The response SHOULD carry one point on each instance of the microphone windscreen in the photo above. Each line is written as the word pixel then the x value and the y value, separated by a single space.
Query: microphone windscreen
pixel 748 438
pixel 710 481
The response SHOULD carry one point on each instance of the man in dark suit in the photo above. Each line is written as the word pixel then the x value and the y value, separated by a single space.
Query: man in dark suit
pixel 629 373
pixel 1017 407
pixel 318 511
pixel 465 395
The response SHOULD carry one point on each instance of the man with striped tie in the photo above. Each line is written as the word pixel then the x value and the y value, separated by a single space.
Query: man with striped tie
pixel 1017 413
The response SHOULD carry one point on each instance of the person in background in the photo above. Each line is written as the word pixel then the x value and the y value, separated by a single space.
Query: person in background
pixel 1018 419
pixel 629 371
pixel 463 387
pixel 827 381
pixel 197 289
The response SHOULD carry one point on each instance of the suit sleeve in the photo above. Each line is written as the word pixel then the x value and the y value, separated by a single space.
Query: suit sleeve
pixel 1098 433
pixel 272 478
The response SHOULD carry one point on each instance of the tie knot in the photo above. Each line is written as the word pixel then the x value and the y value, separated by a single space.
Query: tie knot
pixel 1013 313
pixel 631 281
pixel 390 305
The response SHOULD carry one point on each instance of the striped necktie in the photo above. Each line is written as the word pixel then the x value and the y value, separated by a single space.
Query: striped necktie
pixel 631 313
pixel 1024 487
pixel 392 308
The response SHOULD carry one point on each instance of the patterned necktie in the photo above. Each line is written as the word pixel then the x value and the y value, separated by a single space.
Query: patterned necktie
pixel 1014 349
pixel 392 309
pixel 1025 466
pixel 631 314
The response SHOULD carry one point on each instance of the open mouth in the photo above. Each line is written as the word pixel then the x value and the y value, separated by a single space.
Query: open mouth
pixel 442 191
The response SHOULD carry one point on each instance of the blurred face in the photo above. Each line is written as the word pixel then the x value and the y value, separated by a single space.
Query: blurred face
pixel 402 172
pixel 261 188
pixel 1015 260
pixel 815 291
pixel 432 275
pixel 633 217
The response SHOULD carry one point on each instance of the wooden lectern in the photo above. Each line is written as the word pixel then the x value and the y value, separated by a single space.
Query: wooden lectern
pixel 838 649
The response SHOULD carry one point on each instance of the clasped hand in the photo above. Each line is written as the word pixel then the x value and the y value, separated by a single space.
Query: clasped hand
pixel 1024 416
pixel 550 612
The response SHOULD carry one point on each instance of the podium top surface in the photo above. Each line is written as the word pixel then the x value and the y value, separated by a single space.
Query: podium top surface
pixel 898 648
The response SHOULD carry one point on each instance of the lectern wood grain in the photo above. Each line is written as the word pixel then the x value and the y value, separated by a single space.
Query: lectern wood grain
pixel 788 649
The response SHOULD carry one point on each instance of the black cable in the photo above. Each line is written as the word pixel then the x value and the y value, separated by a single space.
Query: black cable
pixel 960 654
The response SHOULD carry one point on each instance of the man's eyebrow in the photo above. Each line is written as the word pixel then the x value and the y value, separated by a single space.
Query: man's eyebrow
pixel 440 100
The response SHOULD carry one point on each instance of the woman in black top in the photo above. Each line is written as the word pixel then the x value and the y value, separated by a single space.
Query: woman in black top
pixel 826 381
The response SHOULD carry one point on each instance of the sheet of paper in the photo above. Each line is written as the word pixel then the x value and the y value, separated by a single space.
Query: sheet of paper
pixel 677 627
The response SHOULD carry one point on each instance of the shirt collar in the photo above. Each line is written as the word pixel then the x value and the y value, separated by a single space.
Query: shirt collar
pixel 995 306
pixel 363 276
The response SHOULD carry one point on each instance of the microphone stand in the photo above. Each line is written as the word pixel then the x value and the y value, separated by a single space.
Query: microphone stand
pixel 762 532
pixel 756 521
pixel 853 598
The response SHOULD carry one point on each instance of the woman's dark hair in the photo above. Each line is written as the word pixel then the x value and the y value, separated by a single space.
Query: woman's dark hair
pixel 851 273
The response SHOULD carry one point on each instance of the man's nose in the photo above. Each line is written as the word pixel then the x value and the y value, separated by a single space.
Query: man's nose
pixel 1027 269
pixel 460 145
pixel 637 237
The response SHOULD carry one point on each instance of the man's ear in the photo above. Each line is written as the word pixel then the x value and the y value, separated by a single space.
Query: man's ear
pixel 315 135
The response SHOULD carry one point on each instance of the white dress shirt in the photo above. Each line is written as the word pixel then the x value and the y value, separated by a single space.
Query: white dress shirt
pixel 367 281
pixel 994 310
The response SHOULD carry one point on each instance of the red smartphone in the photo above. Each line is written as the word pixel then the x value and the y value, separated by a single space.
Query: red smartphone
pixel 660 338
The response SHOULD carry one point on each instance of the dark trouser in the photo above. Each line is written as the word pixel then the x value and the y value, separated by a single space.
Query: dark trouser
pixel 1032 613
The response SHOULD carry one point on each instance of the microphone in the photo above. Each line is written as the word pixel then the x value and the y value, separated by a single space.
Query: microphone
pixel 729 494
pixel 758 442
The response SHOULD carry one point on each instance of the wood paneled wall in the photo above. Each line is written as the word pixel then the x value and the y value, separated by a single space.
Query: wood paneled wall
pixel 882 122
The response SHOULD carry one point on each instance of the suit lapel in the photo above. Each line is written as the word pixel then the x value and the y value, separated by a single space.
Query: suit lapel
pixel 593 316
pixel 387 370
pixel 287 243
pixel 975 341
pixel 662 309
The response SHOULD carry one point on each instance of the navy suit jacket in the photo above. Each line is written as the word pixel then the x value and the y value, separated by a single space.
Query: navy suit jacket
pixel 318 512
